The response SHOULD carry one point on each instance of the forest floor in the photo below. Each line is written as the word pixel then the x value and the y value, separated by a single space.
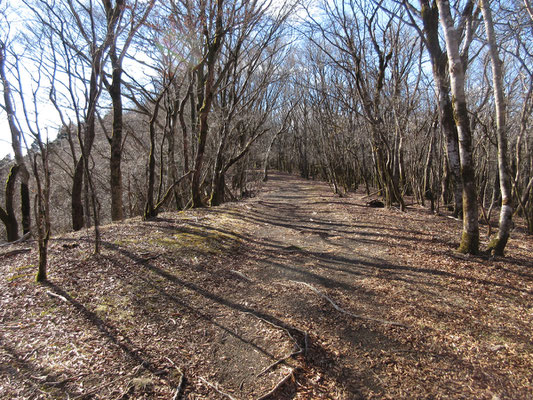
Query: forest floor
pixel 293 294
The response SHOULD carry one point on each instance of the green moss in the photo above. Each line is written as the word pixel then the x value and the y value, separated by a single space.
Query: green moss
pixel 114 307
pixel 196 241
pixel 48 311
pixel 125 242
pixel 102 309
pixel 497 245
pixel 18 276
pixel 469 243
pixel 24 267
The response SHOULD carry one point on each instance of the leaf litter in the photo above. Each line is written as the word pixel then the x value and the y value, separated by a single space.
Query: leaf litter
pixel 281 296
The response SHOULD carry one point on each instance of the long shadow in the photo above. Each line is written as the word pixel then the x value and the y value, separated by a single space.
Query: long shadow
pixel 380 264
pixel 327 257
pixel 145 263
pixel 320 226
pixel 27 373
pixel 108 331
pixel 317 352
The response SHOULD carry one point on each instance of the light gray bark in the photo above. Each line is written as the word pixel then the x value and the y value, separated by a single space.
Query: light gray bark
pixel 470 236
pixel 506 213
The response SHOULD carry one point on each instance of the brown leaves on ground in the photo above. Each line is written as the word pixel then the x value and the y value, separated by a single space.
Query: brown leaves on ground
pixel 216 296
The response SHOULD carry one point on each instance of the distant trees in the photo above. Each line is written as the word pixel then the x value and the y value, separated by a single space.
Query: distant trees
pixel 170 105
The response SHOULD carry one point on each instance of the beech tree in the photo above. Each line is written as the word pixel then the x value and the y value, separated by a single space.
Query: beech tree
pixel 121 31
pixel 456 67
pixel 498 245
pixel 429 15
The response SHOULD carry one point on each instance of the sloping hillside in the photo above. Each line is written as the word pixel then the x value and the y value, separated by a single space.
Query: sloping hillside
pixel 292 294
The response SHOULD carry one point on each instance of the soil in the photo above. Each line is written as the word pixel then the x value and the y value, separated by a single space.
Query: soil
pixel 293 294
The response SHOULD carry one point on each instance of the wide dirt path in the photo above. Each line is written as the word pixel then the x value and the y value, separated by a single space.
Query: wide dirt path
pixel 293 294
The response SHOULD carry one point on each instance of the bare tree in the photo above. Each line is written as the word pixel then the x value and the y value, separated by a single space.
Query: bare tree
pixel 21 171
pixel 456 66
pixel 118 48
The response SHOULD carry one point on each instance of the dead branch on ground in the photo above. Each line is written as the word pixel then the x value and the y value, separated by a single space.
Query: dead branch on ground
pixel 215 388
pixel 299 350
pixel 278 386
pixel 14 252
pixel 342 310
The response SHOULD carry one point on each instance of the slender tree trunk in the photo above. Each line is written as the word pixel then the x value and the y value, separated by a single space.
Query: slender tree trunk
pixel 86 142
pixel 470 237
pixel 267 156
pixel 149 209
pixel 115 161
pixel 202 140
pixel 76 199
pixel 42 210
pixel 506 213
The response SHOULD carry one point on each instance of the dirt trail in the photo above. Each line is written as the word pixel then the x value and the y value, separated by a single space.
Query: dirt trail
pixel 293 294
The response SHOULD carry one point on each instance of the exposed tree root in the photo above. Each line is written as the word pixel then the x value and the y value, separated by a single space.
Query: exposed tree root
pixel 300 349
pixel 216 389
pixel 276 388
pixel 342 310
pixel 181 384
pixel 23 238
pixel 242 275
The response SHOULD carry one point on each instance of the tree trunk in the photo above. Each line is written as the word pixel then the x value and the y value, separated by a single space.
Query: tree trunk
pixel 16 137
pixel 76 200
pixel 8 216
pixel 205 110
pixel 470 236
pixel 149 209
pixel 86 142
pixel 506 213
pixel 430 19
pixel 115 91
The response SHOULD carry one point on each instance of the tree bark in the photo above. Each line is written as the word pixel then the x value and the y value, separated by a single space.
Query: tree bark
pixel 470 236
pixel 203 114
pixel 430 20
pixel 8 216
pixel 115 161
pixel 16 137
pixel 506 214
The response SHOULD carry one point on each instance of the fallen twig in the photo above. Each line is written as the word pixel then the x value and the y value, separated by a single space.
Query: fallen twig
pixel 179 390
pixel 215 387
pixel 278 386
pixel 14 252
pixel 21 239
pixel 241 274
pixel 52 294
pixel 454 218
pixel 342 310
pixel 293 354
